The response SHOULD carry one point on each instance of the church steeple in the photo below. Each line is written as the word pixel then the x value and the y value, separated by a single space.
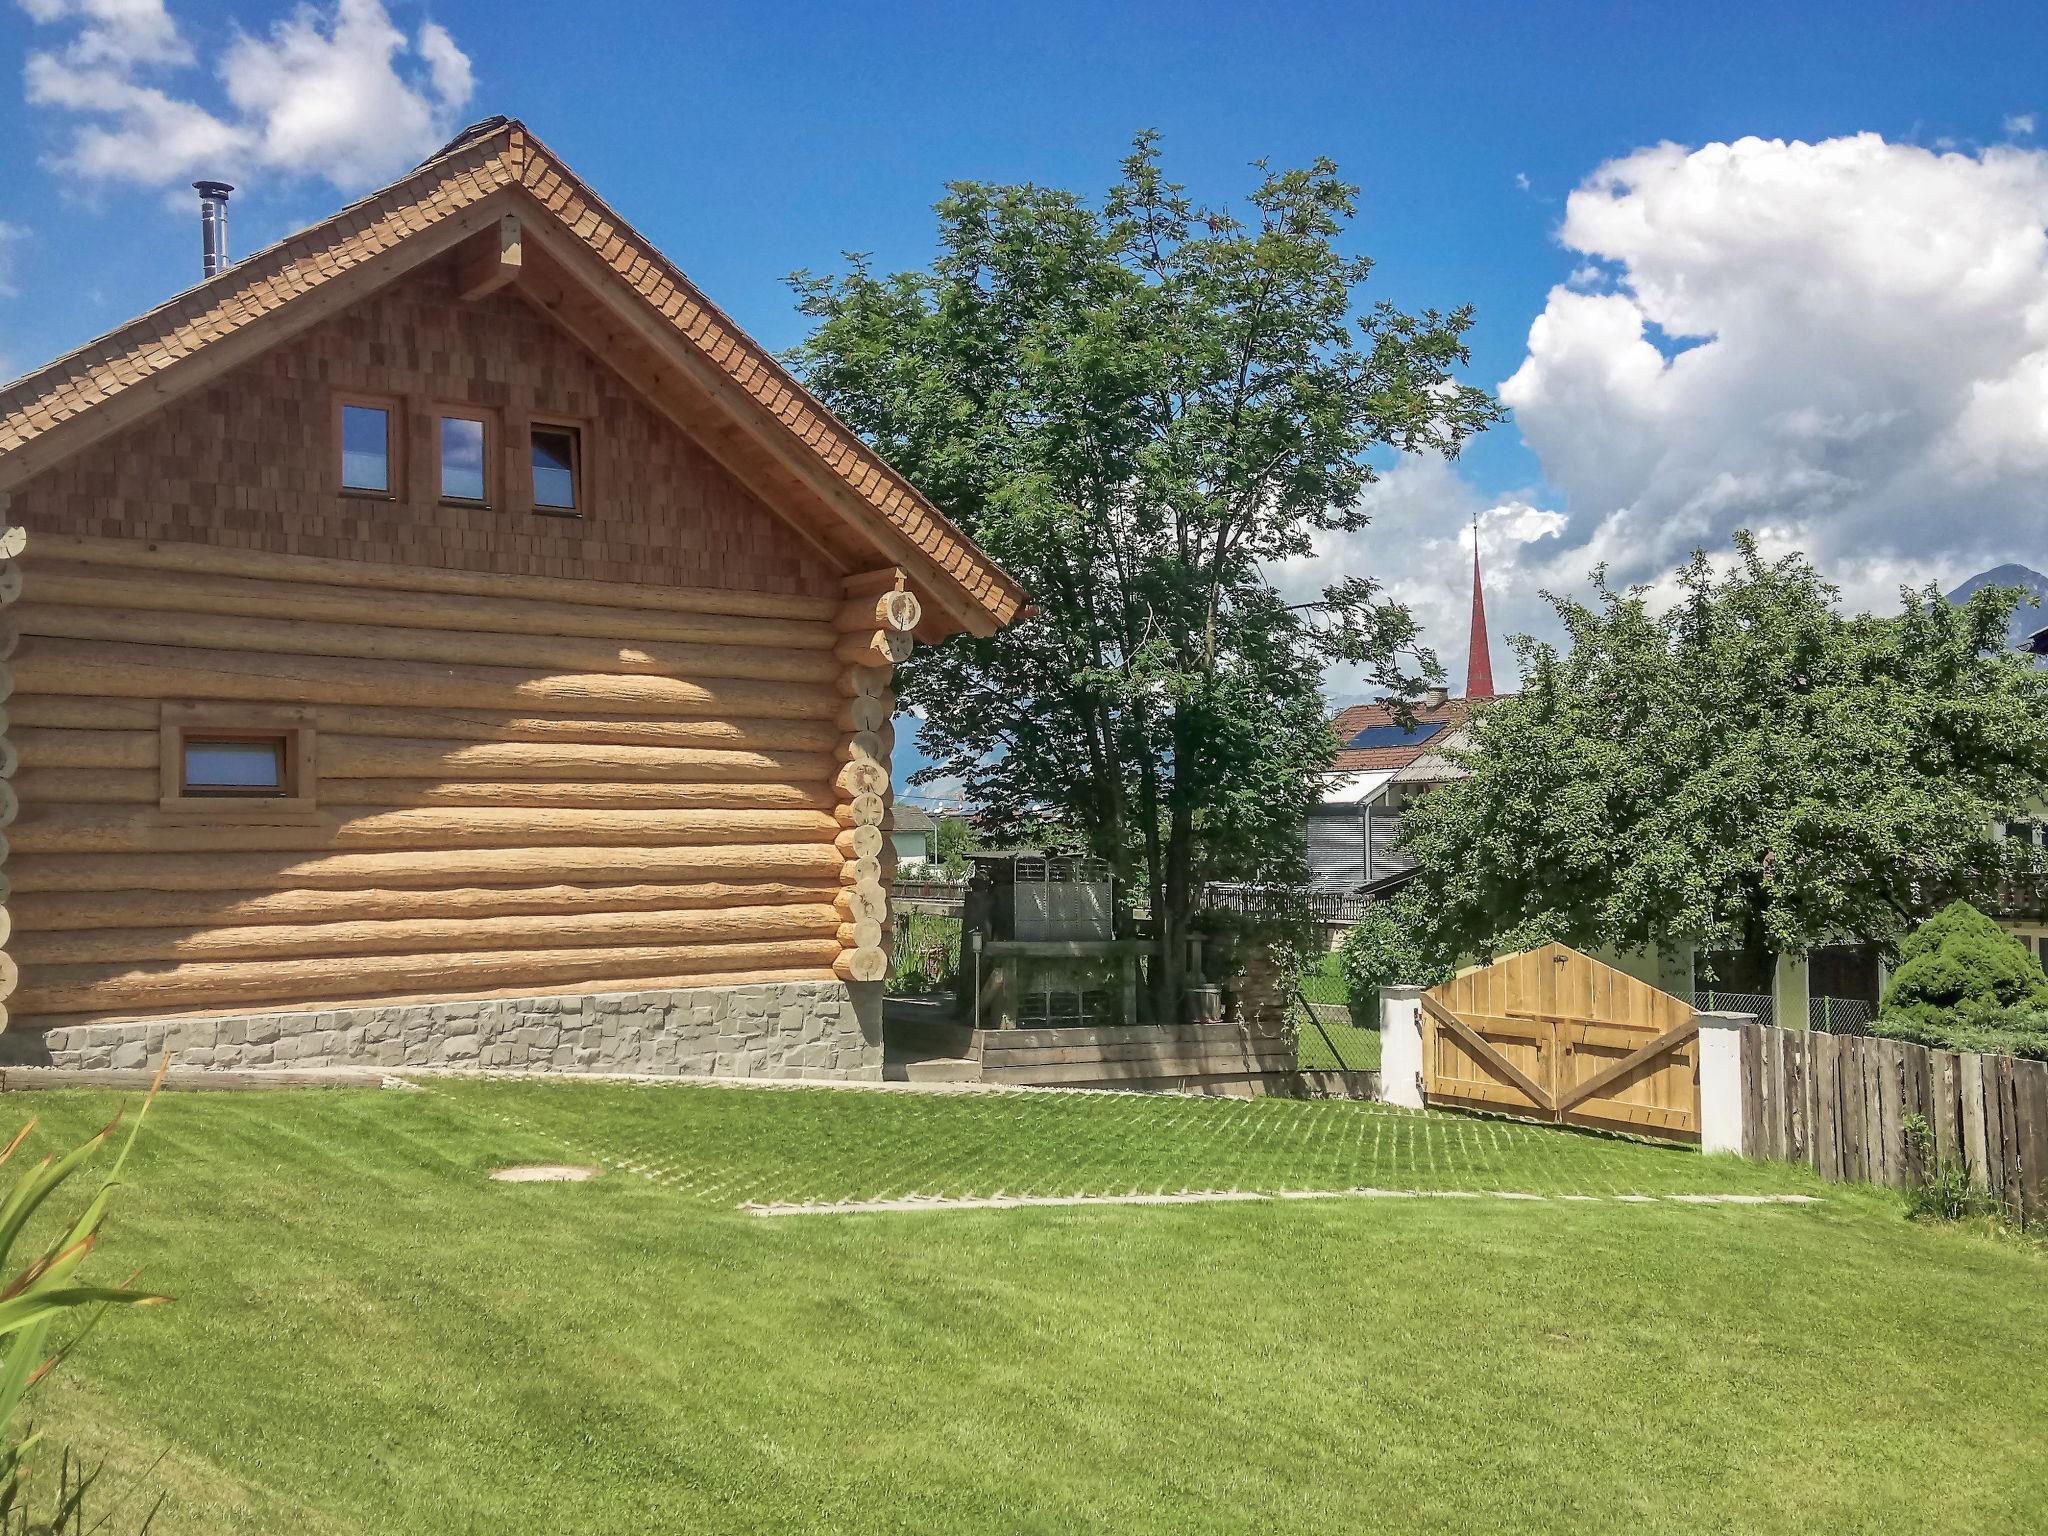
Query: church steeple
pixel 1479 659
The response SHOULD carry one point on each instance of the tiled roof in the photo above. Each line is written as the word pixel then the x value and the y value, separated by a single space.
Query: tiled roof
pixel 1359 717
pixel 910 819
pixel 493 159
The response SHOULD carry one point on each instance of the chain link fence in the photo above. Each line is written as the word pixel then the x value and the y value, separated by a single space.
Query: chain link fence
pixel 1332 1035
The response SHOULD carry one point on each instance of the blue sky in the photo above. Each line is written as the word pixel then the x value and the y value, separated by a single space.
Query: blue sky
pixel 1771 323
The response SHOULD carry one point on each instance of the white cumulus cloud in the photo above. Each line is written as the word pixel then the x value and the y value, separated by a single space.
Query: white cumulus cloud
pixel 335 93
pixel 1842 345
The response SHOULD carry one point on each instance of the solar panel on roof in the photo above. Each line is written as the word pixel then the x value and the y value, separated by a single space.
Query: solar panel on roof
pixel 1396 735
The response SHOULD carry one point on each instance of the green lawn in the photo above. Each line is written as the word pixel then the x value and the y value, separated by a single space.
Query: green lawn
pixel 370 1336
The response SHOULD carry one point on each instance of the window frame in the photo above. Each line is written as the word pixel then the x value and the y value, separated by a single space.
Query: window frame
pixel 293 728
pixel 579 470
pixel 393 408
pixel 441 411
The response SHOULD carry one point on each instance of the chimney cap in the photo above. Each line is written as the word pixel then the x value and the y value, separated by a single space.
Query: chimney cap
pixel 212 188
pixel 1436 696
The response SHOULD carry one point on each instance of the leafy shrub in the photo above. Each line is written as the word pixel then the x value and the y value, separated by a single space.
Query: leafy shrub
pixel 1959 967
pixel 1995 1032
pixel 1943 1190
pixel 1386 948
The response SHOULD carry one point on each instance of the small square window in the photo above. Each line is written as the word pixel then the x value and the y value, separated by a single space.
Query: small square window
pixel 366 448
pixel 238 762
pixel 463 459
pixel 247 765
pixel 557 468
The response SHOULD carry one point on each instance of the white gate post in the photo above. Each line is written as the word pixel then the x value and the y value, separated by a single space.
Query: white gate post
pixel 1401 1046
pixel 1721 1080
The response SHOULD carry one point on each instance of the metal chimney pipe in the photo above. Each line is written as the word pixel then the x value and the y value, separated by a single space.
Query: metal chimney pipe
pixel 213 224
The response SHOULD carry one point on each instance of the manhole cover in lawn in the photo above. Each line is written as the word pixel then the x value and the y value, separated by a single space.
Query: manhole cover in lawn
pixel 545 1173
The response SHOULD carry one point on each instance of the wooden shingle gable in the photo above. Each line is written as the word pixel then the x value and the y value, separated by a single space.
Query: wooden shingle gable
pixel 595 276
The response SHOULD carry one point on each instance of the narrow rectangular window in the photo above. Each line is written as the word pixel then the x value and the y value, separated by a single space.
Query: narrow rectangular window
pixel 462 459
pixel 366 448
pixel 557 468
pixel 248 765
pixel 237 762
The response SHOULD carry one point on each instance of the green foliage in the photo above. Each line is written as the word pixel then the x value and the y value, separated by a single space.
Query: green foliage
pixel 927 954
pixel 1959 966
pixel 43 1291
pixel 954 841
pixel 1943 1189
pixel 1140 409
pixel 1993 1032
pixel 1393 944
pixel 1748 771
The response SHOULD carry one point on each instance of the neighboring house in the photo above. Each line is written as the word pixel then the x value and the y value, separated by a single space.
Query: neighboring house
pixel 1383 764
pixel 449 621
pixel 916 838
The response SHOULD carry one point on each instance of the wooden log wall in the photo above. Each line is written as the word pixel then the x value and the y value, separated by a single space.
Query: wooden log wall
pixel 874 629
pixel 523 784
pixel 12 544
pixel 1839 1103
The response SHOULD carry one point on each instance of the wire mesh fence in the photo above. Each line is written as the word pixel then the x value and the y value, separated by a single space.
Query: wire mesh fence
pixel 1841 1015
pixel 1333 1036
pixel 1759 1005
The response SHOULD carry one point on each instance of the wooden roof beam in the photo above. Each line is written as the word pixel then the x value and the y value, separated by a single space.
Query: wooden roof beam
pixel 489 261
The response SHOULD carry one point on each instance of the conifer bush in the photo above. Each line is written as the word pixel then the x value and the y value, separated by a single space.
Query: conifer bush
pixel 1960 968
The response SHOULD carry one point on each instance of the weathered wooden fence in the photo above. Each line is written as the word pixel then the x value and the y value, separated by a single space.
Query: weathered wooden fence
pixel 1839 1103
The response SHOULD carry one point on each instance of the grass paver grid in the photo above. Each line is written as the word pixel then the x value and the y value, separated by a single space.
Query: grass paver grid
pixel 370 1335
pixel 792 1145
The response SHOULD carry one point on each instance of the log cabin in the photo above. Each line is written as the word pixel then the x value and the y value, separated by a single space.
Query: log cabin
pixel 444 637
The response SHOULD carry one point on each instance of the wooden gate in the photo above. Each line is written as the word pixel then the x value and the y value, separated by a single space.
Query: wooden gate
pixel 1555 1035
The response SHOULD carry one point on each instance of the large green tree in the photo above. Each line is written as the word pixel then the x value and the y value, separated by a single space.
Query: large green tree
pixel 1140 408
pixel 1747 770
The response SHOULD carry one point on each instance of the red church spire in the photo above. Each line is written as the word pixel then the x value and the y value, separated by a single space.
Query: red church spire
pixel 1479 660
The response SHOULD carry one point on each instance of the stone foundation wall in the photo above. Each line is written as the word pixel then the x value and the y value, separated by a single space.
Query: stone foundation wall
pixel 807 1029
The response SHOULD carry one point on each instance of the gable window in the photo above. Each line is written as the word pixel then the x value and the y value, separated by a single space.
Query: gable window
pixel 231 761
pixel 367 456
pixel 557 468
pixel 464 456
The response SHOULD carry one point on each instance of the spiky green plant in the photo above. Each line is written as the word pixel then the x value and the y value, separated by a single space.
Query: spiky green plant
pixel 39 1295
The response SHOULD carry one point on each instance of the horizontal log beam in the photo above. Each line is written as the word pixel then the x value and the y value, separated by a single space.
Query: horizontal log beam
pixel 363 574
pixel 382 757
pixel 508 866
pixel 114 589
pixel 873 648
pixel 865 902
pixel 62 712
pixel 862 811
pixel 143 786
pixel 47 830
pixel 859 843
pixel 286 942
pixel 111 669
pixel 380 643
pixel 487 262
pixel 867 712
pixel 861 964
pixel 898 611
pixel 60 912
pixel 241 985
